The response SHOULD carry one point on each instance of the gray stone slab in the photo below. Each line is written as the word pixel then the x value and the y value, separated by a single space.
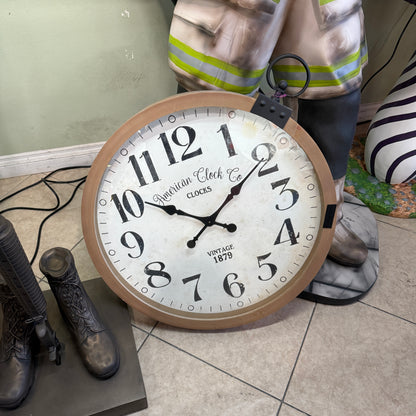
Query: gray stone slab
pixel 69 389
pixel 340 285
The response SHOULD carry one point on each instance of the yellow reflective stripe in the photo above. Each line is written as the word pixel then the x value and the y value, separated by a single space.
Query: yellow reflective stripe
pixel 318 68
pixel 323 82
pixel 323 2
pixel 210 79
pixel 243 73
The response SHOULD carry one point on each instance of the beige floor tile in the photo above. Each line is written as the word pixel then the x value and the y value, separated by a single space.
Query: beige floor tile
pixel 63 229
pixel 10 185
pixel 83 262
pixel 70 174
pixel 177 384
pixel 290 411
pixel 141 321
pixel 139 337
pixel 262 353
pixel 37 193
pixel 395 288
pixel 403 223
pixel 356 361
pixel 43 283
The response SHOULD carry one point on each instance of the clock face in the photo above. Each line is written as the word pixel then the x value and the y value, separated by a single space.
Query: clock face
pixel 206 216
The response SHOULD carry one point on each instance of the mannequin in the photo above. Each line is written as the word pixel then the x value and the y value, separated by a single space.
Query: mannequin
pixel 227 44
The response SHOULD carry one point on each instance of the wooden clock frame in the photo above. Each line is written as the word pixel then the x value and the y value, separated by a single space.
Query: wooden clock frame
pixel 187 319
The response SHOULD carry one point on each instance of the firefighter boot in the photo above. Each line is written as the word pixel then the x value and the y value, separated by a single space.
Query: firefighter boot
pixel 331 123
pixel 17 365
pixel 96 345
pixel 346 248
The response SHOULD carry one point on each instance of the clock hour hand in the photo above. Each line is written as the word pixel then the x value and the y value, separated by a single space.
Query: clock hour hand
pixel 171 210
pixel 208 221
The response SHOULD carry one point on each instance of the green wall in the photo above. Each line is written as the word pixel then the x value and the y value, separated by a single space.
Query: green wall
pixel 71 72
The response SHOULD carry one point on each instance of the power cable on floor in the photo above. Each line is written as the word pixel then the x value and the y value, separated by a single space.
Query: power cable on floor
pixel 53 210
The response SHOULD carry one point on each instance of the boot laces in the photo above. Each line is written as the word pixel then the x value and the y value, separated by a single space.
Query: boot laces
pixel 14 328
pixel 78 308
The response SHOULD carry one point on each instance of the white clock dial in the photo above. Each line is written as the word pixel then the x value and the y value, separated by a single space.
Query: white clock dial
pixel 206 214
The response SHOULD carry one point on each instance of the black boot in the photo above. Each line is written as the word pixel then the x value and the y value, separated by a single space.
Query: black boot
pixel 17 367
pixel 331 123
pixel 97 347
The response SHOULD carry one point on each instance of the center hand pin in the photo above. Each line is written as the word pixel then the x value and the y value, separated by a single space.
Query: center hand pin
pixel 235 190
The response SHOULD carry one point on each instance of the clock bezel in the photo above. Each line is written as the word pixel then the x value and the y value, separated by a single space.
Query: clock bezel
pixel 197 320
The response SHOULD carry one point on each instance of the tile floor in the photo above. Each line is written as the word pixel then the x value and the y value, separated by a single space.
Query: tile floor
pixel 306 359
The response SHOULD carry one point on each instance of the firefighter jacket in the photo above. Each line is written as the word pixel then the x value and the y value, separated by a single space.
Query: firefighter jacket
pixel 228 44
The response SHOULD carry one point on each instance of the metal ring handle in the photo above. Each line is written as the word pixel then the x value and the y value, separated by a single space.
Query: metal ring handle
pixel 284 56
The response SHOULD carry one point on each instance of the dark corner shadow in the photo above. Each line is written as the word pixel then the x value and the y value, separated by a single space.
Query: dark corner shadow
pixel 167 7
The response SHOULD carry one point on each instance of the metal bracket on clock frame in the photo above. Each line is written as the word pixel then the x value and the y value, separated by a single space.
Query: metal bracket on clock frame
pixel 272 110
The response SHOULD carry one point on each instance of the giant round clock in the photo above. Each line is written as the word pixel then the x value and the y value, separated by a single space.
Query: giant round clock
pixel 202 214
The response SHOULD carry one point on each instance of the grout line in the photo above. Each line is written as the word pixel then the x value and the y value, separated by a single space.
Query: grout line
pixel 388 313
pixel 295 408
pixel 77 244
pixel 143 342
pixel 397 226
pixel 296 361
pixel 148 333
pixel 214 367
pixel 19 181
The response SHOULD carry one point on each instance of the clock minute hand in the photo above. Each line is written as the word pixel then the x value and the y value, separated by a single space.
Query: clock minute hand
pixel 235 190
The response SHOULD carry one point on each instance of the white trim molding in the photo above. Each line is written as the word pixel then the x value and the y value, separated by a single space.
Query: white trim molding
pixel 41 161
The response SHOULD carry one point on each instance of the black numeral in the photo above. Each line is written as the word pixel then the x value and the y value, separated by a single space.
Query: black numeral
pixel 190 139
pixel 234 289
pixel 150 166
pixel 227 138
pixel 270 151
pixel 190 133
pixel 295 194
pixel 272 267
pixel 190 279
pixel 157 278
pixel 290 232
pixel 168 149
pixel 132 240
pixel 131 202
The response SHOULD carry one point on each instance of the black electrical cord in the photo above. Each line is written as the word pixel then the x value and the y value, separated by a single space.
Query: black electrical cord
pixel 50 215
pixel 58 207
pixel 393 53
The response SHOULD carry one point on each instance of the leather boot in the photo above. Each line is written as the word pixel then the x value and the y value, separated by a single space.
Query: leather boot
pixel 347 248
pixel 17 366
pixel 96 345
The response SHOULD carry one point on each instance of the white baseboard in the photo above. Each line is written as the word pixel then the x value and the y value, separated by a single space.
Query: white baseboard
pixel 41 161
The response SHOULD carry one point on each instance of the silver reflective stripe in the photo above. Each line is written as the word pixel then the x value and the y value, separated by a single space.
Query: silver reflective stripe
pixel 212 70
